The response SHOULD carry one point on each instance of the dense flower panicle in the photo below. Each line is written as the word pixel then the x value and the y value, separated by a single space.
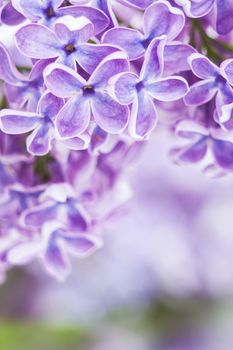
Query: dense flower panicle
pixel 91 85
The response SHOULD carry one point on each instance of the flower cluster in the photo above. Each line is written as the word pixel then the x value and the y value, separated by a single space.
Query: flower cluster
pixel 82 84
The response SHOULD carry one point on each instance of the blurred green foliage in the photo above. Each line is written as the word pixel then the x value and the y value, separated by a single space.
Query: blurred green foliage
pixel 32 336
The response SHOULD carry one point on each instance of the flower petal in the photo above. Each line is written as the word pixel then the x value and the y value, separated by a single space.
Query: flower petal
pixel 227 70
pixel 39 142
pixel 68 29
pixel 202 67
pixel 81 245
pixel 63 81
pixel 10 16
pixel 196 8
pixel 37 216
pixel 8 72
pixel 200 93
pixel 31 9
pixel 224 100
pixel 109 114
pixel 130 40
pixel 223 152
pixel 224 16
pixel 139 4
pixel 56 261
pixel 89 56
pixel 74 117
pixel 168 89
pixel 176 57
pixel 37 41
pixel 152 67
pixel 17 122
pixel 192 154
pixel 24 253
pixel 143 116
pixel 162 19
pixel 123 87
pixel 99 19
pixel 49 105
pixel 113 64
pixel 76 143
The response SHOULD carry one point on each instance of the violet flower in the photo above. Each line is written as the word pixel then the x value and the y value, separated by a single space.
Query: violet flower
pixel 215 82
pixel 53 247
pixel 41 123
pixel 68 43
pixel 142 90
pixel 21 91
pixel 196 9
pixel 86 98
pixel 202 139
pixel 48 11
pixel 159 19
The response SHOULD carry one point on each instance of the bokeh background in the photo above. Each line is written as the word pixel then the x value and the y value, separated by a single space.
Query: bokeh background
pixel 163 280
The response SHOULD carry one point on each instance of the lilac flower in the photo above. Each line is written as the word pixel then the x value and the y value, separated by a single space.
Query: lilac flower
pixel 224 22
pixel 58 203
pixel 69 128
pixel 21 91
pixel 41 123
pixel 86 97
pixel 103 5
pixel 215 82
pixel 201 139
pixel 53 246
pixel 159 19
pixel 67 43
pixel 141 90
pixel 48 11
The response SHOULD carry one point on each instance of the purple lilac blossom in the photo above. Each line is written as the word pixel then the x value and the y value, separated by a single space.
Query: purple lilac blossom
pixel 47 12
pixel 215 82
pixel 88 97
pixel 68 43
pixel 142 90
pixel 91 86
pixel 159 19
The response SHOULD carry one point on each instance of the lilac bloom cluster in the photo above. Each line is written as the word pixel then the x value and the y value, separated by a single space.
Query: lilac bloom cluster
pixel 82 85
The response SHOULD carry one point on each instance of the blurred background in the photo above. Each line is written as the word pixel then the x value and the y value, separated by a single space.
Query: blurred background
pixel 163 280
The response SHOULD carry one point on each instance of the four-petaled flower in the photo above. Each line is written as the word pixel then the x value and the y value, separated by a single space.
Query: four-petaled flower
pixel 215 81
pixel 159 19
pixel 142 90
pixel 86 98
pixel 67 43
